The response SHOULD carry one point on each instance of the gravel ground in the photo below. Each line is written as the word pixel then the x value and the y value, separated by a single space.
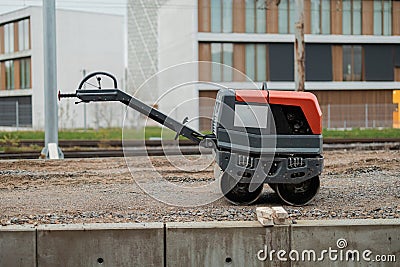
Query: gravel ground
pixel 354 184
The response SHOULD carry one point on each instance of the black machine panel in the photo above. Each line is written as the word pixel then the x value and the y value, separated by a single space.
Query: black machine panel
pixel 290 120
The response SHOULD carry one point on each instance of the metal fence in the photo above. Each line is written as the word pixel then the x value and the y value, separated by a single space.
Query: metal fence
pixel 358 116
pixel 338 116
pixel 15 114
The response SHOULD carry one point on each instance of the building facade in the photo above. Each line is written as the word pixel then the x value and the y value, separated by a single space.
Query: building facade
pixel 352 51
pixel 86 42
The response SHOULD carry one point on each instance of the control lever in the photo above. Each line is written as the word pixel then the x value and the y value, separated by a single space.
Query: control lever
pixel 184 122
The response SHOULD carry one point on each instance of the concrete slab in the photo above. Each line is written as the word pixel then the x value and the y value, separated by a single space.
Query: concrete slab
pixel 348 222
pixel 101 245
pixel 223 244
pixel 346 243
pixel 18 246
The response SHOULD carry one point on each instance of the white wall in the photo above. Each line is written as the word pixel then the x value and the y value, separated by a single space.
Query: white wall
pixel 178 45
pixel 37 67
pixel 94 42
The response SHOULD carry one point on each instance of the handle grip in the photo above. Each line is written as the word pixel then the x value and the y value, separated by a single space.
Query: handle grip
pixel 60 95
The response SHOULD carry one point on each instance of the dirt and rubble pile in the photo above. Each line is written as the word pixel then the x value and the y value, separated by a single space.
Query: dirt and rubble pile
pixel 354 184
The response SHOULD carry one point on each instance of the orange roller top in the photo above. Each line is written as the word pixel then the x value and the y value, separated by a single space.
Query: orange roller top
pixel 308 102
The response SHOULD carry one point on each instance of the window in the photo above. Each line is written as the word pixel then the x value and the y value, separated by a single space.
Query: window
pixel 222 53
pixel 287 9
pixel 25 73
pixel 8 111
pixel 256 62
pixel 9 65
pixel 255 17
pixel 352 63
pixel 216 22
pixel 320 17
pixel 382 17
pixel 9 38
pixel 280 65
pixel 352 17
pixel 19 42
pixel 251 116
pixel 379 62
pixel 23 35
pixel 221 15
pixel 260 62
pixel 319 62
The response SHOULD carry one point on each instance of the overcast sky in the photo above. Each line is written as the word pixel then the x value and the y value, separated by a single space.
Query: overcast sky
pixel 106 6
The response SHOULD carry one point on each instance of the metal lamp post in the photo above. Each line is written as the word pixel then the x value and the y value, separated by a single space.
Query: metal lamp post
pixel 51 149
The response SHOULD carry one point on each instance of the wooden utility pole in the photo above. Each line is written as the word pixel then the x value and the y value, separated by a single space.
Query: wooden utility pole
pixel 299 47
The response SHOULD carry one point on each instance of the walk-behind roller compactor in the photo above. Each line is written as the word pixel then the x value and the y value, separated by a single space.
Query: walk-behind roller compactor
pixel 258 136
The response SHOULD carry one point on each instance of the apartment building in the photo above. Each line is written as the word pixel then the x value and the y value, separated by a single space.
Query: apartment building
pixel 352 51
pixel 86 42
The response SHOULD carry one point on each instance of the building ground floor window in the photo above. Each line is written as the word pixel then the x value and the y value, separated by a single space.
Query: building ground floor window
pixel 16 111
